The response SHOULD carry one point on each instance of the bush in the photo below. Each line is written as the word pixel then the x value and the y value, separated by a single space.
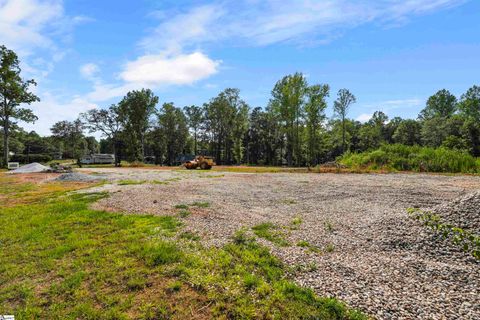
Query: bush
pixel 23 158
pixel 413 158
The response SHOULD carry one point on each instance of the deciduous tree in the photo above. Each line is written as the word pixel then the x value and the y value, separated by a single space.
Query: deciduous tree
pixel 14 91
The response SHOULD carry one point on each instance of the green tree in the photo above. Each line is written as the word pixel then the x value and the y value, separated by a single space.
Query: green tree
pixel 315 116
pixel 224 124
pixel 108 123
pixel 195 117
pixel 172 124
pixel 287 102
pixel 135 112
pixel 239 130
pixel 344 100
pixel 14 91
pixel 70 133
pixel 470 104
pixel 408 132
pixel 442 104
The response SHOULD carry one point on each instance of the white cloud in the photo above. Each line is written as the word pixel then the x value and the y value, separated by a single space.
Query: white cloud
pixel 23 22
pixel 34 28
pixel 364 117
pixel 157 70
pixel 89 71
pixel 171 36
pixel 273 21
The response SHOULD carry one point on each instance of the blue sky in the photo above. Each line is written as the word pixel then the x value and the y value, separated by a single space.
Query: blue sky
pixel 391 54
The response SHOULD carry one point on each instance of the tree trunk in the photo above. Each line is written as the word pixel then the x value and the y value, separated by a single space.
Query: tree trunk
pixel 115 153
pixel 5 142
pixel 343 135
pixel 195 142
pixel 142 142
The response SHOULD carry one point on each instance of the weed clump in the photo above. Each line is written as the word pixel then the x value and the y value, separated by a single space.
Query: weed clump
pixel 270 232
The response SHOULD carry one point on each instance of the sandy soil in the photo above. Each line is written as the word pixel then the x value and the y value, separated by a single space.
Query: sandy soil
pixel 371 254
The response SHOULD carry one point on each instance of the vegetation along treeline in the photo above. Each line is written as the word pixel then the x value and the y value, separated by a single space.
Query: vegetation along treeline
pixel 292 129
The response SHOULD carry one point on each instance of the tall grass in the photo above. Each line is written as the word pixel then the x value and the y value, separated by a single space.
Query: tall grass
pixel 413 158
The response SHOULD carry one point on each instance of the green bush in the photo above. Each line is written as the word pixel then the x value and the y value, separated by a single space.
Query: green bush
pixel 413 158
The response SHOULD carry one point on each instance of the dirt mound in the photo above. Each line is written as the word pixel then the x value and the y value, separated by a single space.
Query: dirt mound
pixel 462 212
pixel 76 176
pixel 31 168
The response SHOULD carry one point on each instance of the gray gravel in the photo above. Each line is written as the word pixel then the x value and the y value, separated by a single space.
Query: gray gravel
pixel 463 212
pixel 76 176
pixel 31 168
pixel 372 255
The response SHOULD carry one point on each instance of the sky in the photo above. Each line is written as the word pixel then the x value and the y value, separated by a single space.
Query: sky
pixel 391 54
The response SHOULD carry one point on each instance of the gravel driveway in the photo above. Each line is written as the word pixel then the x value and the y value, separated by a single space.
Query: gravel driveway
pixel 358 243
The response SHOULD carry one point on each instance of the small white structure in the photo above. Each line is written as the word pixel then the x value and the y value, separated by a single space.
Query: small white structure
pixel 98 158
pixel 13 165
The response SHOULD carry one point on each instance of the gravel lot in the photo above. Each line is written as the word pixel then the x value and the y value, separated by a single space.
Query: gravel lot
pixel 367 251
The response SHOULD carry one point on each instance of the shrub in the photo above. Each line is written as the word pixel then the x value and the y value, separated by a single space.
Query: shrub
pixel 413 158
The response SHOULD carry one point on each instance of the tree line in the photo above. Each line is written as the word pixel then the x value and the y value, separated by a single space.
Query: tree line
pixel 292 129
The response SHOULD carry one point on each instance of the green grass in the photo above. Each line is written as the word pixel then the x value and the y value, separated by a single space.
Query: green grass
pixel 412 158
pixel 130 182
pixel 62 260
pixel 308 245
pixel 201 204
pixel 296 222
pixel 181 206
pixel 270 232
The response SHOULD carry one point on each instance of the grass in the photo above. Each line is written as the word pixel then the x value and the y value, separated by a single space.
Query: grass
pixel 130 182
pixel 270 232
pixel 330 247
pixel 412 158
pixel 201 204
pixel 295 223
pixel 308 245
pixel 328 226
pixel 63 260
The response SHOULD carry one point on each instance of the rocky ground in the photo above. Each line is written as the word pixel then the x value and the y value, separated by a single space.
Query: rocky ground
pixel 358 242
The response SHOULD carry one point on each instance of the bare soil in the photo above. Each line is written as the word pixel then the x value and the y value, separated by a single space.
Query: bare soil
pixel 362 246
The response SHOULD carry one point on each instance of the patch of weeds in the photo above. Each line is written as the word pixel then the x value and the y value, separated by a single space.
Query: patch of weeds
pixel 330 247
pixel 289 201
pixel 153 311
pixel 130 182
pixel 295 223
pixel 189 236
pixel 308 245
pixel 183 213
pixel 328 226
pixel 242 238
pixel 270 232
pixel 175 286
pixel 161 253
pixel 181 206
pixel 250 281
pixel 469 242
pixel 136 283
pixel 201 204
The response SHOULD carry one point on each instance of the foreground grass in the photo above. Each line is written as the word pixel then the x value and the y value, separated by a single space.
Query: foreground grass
pixel 62 260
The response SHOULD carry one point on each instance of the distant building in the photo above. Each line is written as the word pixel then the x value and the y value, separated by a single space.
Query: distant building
pixel 98 158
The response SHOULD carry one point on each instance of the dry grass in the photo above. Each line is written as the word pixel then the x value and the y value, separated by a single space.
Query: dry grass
pixel 32 188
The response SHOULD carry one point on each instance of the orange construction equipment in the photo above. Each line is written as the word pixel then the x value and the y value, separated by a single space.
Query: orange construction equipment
pixel 202 162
